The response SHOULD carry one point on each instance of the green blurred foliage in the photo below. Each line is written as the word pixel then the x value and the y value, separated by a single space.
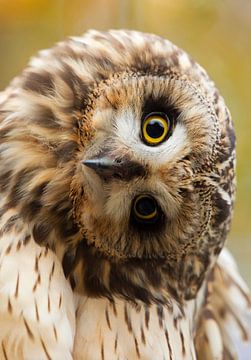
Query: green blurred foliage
pixel 216 33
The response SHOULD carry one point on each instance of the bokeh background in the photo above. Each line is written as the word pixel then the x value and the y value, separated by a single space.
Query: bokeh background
pixel 217 33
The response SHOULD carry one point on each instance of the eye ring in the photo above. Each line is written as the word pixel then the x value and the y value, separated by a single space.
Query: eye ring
pixel 145 208
pixel 155 128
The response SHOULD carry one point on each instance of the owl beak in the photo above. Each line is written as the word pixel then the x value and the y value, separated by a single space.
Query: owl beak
pixel 108 168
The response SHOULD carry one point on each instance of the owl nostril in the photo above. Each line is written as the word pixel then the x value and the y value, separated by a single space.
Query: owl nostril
pixel 118 161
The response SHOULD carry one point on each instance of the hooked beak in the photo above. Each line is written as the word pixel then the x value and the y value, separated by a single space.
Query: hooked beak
pixel 108 168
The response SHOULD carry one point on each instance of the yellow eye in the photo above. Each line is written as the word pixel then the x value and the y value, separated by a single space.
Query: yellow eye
pixel 155 128
pixel 145 208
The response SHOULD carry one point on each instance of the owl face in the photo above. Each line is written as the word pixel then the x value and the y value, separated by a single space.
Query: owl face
pixel 119 152
pixel 139 171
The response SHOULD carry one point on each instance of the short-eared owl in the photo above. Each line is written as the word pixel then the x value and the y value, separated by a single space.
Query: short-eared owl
pixel 117 180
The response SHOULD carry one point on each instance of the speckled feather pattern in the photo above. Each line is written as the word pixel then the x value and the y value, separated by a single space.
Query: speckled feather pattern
pixel 77 281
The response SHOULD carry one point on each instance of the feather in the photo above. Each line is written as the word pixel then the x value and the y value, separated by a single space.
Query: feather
pixel 227 309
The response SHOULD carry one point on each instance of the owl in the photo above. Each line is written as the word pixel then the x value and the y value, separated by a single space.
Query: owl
pixel 117 181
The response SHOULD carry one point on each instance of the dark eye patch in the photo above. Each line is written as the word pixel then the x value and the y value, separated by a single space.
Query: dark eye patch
pixel 160 104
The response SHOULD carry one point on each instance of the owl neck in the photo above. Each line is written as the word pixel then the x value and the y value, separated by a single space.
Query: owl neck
pixel 134 319
pixel 150 281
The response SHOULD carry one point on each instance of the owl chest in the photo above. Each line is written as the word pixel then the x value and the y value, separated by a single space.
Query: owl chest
pixel 122 331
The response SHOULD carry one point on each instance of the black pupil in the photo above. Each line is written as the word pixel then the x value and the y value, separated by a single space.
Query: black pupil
pixel 145 206
pixel 155 129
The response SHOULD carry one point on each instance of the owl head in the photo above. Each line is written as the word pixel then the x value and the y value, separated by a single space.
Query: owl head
pixel 138 171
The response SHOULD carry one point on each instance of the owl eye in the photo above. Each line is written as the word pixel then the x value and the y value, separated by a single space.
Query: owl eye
pixel 155 128
pixel 145 208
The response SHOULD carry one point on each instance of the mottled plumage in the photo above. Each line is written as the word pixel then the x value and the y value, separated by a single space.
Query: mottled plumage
pixel 81 276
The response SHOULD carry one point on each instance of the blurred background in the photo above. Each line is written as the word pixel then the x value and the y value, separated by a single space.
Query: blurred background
pixel 216 33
